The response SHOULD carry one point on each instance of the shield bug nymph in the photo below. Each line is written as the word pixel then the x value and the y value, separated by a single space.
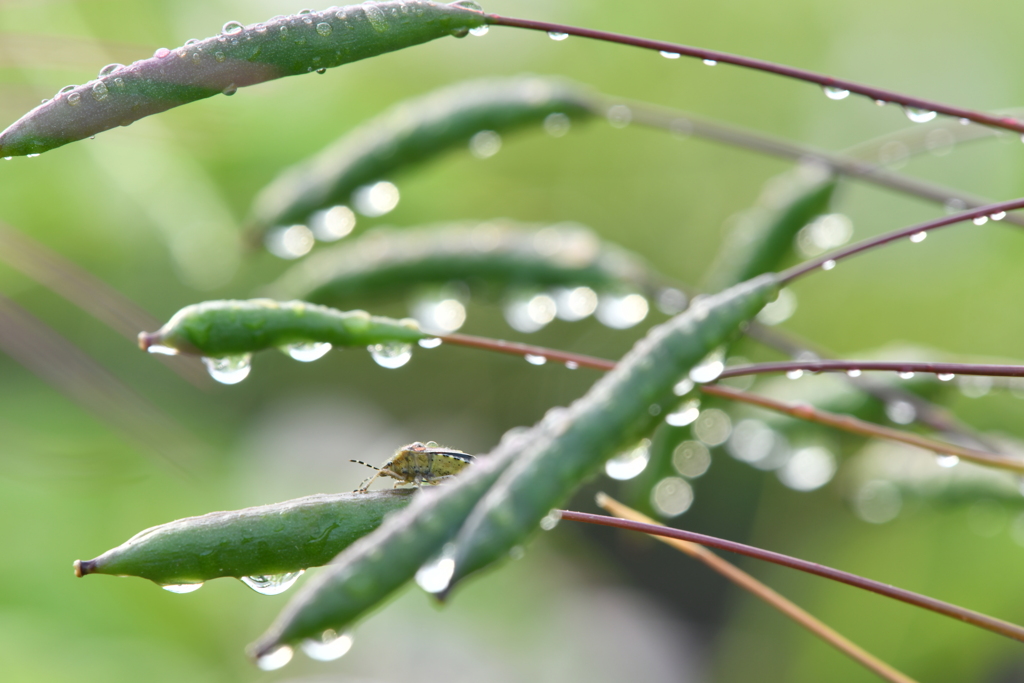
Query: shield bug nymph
pixel 419 463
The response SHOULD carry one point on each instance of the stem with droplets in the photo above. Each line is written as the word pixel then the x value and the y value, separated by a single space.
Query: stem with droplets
pixel 982 370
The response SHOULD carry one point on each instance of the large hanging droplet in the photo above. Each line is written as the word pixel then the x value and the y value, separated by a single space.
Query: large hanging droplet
pixel 391 355
pixel 272 584
pixel 328 647
pixel 230 369
pixel 307 352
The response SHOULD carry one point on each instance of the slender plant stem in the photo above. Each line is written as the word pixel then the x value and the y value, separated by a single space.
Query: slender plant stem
pixel 856 426
pixel 877 94
pixel 517 349
pixel 639 522
pixel 635 521
pixel 685 123
pixel 836 256
pixel 888 366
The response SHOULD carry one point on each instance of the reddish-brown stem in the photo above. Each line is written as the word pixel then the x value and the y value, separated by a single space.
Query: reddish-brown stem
pixel 886 366
pixel 836 256
pixel 969 616
pixel 877 94
pixel 856 426
pixel 517 349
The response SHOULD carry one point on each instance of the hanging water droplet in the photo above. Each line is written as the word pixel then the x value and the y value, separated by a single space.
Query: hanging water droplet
pixel 182 587
pixel 8 158
pixel 480 30
pixel 272 584
pixel 710 62
pixel 550 520
pixel 527 314
pixel 31 156
pixel 571 365
pixel 622 312
pixel 918 237
pixel 795 374
pixel 686 414
pixel 429 343
pixel 574 304
pixel 276 659
pixel 307 352
pixel 329 647
pixel 998 216
pixel 535 360
pixel 881 103
pixel 230 90
pixel 780 310
pixel 74 98
pixel 162 350
pixel 230 369
pixel 683 387
pixel 918 115
pixel 99 91
pixel 906 375
pixel 324 29
pixel 391 355
pixel 376 199
pixel 709 368
pixel 435 576
pixel 557 35
pixel 232 28
pixel 945 376
pixel 834 93
pixel 828 265
pixel 322 71
pixel 853 373
pixel 981 220
pixel 947 460
pixel 670 55
pixel 109 69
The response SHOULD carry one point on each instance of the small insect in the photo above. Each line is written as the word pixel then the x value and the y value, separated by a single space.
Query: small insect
pixel 418 464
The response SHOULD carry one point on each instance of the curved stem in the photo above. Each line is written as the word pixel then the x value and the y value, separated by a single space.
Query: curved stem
pixel 885 366
pixel 856 426
pixel 938 606
pixel 836 256
pixel 877 94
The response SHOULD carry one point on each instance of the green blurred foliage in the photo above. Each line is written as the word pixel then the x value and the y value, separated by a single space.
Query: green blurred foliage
pixel 155 210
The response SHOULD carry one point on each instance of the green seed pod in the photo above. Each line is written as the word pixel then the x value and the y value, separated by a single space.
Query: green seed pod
pixel 260 541
pixel 239 56
pixel 764 236
pixel 411 133
pixel 364 575
pixel 218 329
pixel 495 256
pixel 614 414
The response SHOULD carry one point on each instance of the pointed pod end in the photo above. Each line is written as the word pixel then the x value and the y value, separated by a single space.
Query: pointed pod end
pixel 83 567
pixel 147 339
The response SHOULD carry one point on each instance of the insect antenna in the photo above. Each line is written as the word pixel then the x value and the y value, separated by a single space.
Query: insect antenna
pixel 360 462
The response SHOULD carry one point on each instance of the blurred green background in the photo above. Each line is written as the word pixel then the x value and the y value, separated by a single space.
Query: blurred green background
pixel 98 440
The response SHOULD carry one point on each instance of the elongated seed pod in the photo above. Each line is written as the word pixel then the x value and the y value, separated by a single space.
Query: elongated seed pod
pixel 612 415
pixel 225 328
pixel 257 541
pixel 413 132
pixel 498 255
pixel 373 568
pixel 764 235
pixel 239 56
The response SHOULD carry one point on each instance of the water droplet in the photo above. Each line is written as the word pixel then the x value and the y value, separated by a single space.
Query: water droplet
pixel 535 360
pixel 713 427
pixel 439 314
pixel 557 35
pixel 691 459
pixel 710 62
pixel 480 30
pixel 272 584
pixel 31 156
pixel 119 82
pixel 574 304
pixel 162 350
pixel 332 224
pixel 99 91
pixel 685 414
pixel 109 69
pixel 8 158
pixel 322 70
pixel 429 343
pixel 981 220
pixel 672 496
pixel 329 647
pixel 670 55
pixel 232 28
pixel 376 199
pixel 906 375
pixel 683 387
pixel 161 53
pixel 391 355
pixel 998 216
pixel 191 41
pixel 975 386
pixel 324 29
pixel 780 310
pixel 795 374
pixel 947 460
pixel 197 58
pixel 619 115
pixel 828 265
pixel 529 313
pixel 808 469
pixel 516 552
pixel 901 412
pixel 853 373
pixel 571 365
pixel 291 242
pixel 485 144
pixel 219 56
pixel 182 587
pixel 74 98
pixel 307 352
pixel 230 369
pixel 469 4
pixel 757 444
pixel 965 122
pixel 918 115
pixel 550 520
pixel 435 576
pixel 377 18
pixel 918 237
pixel 654 409
pixel 709 368
pixel 276 659
pixel 557 125
pixel 622 312
pixel 945 376
pixel 881 103
pixel 230 90
pixel 834 93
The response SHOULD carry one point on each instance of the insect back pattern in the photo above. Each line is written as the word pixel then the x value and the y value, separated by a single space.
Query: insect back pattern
pixel 419 463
